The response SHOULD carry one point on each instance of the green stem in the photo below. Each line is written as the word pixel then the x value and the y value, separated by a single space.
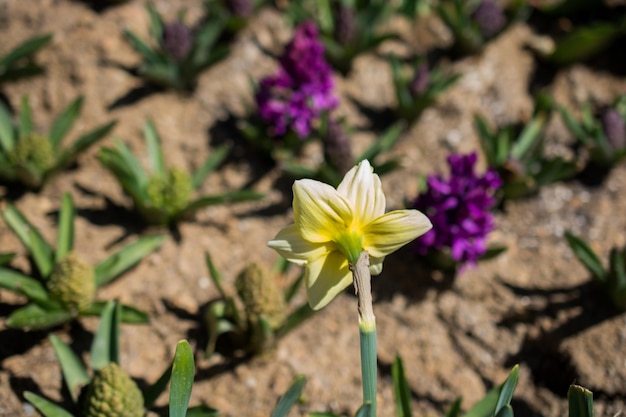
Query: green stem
pixel 367 329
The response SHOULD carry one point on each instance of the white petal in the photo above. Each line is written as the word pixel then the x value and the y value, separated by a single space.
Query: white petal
pixel 320 212
pixel 376 265
pixel 326 277
pixel 362 188
pixel 290 245
pixel 393 230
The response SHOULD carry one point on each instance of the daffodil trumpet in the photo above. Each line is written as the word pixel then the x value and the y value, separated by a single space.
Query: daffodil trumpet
pixel 341 236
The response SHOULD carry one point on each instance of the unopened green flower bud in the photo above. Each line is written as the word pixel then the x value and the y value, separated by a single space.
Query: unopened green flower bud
pixel 112 393
pixel 72 283
pixel 171 192
pixel 33 149
pixel 261 296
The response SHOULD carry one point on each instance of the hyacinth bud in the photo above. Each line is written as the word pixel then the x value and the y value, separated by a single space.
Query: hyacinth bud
pixel 171 192
pixel 33 149
pixel 420 81
pixel 261 296
pixel 345 25
pixel 489 17
pixel 614 128
pixel 241 8
pixel 177 40
pixel 337 148
pixel 72 283
pixel 112 393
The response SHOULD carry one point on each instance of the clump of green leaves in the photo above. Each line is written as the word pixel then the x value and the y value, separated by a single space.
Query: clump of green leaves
pixel 235 14
pixel 348 28
pixel 64 287
pixel 252 319
pixel 31 158
pixel 164 195
pixel 178 53
pixel 19 62
pixel 474 23
pixel 336 143
pixel 417 90
pixel 602 135
pixel 613 279
pixel 109 391
pixel 516 153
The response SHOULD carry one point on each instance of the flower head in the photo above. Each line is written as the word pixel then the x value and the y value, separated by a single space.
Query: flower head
pixel 333 226
pixel 614 128
pixel 301 90
pixel 460 209
pixel 489 17
pixel 177 40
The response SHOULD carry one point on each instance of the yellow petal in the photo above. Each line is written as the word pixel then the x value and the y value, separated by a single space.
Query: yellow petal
pixel 326 277
pixel 362 188
pixel 320 213
pixel 393 230
pixel 290 245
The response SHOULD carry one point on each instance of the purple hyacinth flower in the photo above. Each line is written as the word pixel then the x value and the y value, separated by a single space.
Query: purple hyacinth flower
pixel 301 90
pixel 460 209
pixel 614 128
pixel 177 40
pixel 489 17
pixel 420 82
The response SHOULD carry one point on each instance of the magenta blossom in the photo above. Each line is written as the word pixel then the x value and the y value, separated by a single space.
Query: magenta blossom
pixel 460 209
pixel 301 90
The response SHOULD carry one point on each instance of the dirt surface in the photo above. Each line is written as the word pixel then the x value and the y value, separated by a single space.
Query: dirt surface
pixel 533 305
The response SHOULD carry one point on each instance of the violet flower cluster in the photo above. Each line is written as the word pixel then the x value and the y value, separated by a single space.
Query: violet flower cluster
pixel 459 209
pixel 301 90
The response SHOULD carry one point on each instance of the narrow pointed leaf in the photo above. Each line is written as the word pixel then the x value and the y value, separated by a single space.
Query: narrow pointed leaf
pixel 22 284
pixel 506 411
pixel 65 234
pixel 128 314
pixel 125 258
pixel 155 152
pixel 83 142
pixel 6 258
pixel 528 138
pixel 586 256
pixel 74 372
pixel 46 407
pixel 227 197
pixel 289 399
pixel 580 401
pixel 202 411
pixel 7 136
pixel 25 49
pixel 182 379
pixel 297 317
pixel 141 47
pixel 212 162
pixel 155 390
pixel 364 411
pixel 401 391
pixel 26 120
pixel 64 122
pixel 506 392
pixel 455 409
pixel 156 23
pixel 215 274
pixel 105 347
pixel 34 317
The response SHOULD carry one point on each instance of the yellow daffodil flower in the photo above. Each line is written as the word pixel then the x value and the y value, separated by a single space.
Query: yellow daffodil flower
pixel 333 226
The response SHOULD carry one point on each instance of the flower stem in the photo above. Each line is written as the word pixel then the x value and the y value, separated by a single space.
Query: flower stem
pixel 367 328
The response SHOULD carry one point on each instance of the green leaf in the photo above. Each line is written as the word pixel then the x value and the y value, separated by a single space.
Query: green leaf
pixel 215 274
pixel 155 152
pixel 65 234
pixel 573 125
pixel 506 392
pixel 584 42
pixel 212 162
pixel 6 258
pixel 493 252
pixel 24 50
pixel 227 197
pixel 45 407
pixel 7 135
pixel 401 391
pixel 364 411
pixel 141 47
pixel 105 347
pixel 156 23
pixel 30 237
pixel 128 314
pixel 26 120
pixel 506 411
pixel 22 284
pixel 64 122
pixel 297 317
pixel 34 317
pixel 528 138
pixel 202 411
pixel 586 256
pixel 83 143
pixel 182 379
pixel 384 143
pixel 289 398
pixel 455 409
pixel 74 372
pixel 125 258
pixel 580 401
